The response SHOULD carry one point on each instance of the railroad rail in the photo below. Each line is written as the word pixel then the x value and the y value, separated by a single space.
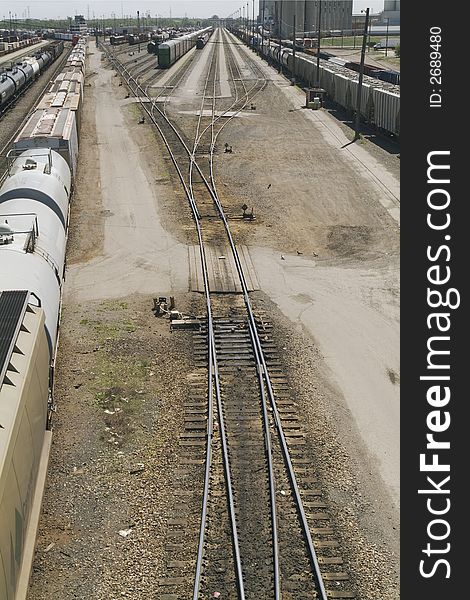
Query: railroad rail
pixel 242 335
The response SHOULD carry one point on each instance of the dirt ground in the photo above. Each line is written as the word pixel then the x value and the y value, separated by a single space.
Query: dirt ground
pixel 325 247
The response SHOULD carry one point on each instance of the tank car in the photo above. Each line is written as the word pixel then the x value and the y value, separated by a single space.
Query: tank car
pixel 34 205
pixel 18 77
pixel 27 71
pixel 37 191
pixel 7 90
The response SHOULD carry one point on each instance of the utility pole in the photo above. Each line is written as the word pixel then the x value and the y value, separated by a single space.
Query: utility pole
pixel 293 46
pixel 361 75
pixel 304 26
pixel 262 29
pixel 138 27
pixel 280 36
pixel 318 43
pixel 253 25
pixel 386 39
pixel 248 22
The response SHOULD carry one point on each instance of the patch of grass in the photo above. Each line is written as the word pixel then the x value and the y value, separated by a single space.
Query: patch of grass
pixel 348 41
pixel 110 305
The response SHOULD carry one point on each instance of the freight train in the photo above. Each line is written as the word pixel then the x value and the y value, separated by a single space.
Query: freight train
pixel 202 41
pixel 66 37
pixel 172 50
pixel 117 40
pixel 156 40
pixel 380 104
pixel 11 45
pixel 15 80
pixel 34 215
pixel 140 38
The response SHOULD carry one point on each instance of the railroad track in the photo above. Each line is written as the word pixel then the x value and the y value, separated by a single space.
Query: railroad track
pixel 242 437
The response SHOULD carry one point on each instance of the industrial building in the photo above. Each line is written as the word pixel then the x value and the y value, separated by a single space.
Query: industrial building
pixel 334 15
pixel 79 25
pixel 391 12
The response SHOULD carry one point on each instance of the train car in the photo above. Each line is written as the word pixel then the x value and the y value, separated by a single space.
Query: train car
pixel 70 99
pixel 387 111
pixel 159 38
pixel 172 50
pixel 117 40
pixel 18 77
pixel 380 100
pixel 390 76
pixel 34 201
pixel 152 47
pixel 37 64
pixel 7 91
pixel 67 78
pixel 24 440
pixel 141 38
pixel 15 80
pixel 66 93
pixel 68 37
pixel 27 70
pixel 34 213
pixel 53 128
pixel 202 41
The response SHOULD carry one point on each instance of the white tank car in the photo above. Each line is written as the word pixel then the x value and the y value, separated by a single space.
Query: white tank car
pixel 34 208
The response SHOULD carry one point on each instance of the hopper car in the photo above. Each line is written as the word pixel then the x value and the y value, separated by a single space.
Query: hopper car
pixel 380 103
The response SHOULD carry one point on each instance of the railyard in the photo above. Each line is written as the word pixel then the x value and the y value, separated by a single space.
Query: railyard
pixel 311 335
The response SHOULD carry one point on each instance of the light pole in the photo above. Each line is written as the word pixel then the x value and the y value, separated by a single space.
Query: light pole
pixel 253 25
pixel 386 38
pixel 262 29
pixel 318 43
pixel 280 36
pixel 293 45
pixel 247 22
pixel 361 75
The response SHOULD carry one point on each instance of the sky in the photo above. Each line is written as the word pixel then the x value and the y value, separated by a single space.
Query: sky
pixel 179 8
